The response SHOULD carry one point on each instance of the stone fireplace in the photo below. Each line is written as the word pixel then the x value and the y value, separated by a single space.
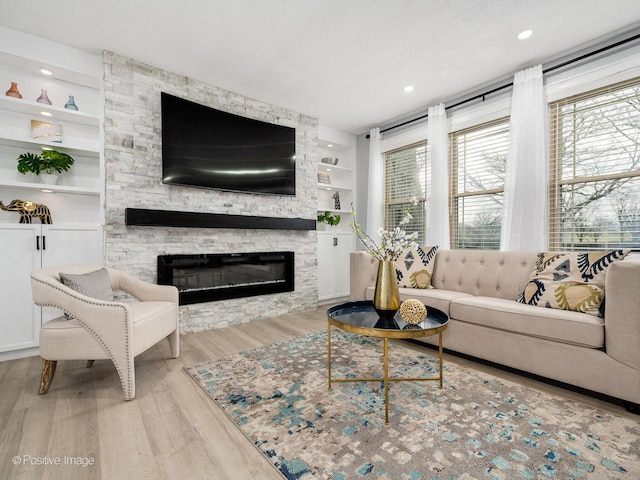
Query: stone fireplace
pixel 234 222
pixel 210 277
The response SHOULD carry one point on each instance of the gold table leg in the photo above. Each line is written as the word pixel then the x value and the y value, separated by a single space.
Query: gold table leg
pixel 386 380
pixel 440 356
pixel 329 353
pixel 385 377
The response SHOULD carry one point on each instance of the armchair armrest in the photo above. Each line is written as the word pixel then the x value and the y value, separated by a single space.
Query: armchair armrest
pixel 49 291
pixel 143 291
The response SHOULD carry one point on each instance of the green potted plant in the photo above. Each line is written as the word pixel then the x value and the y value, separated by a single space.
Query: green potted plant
pixel 47 164
pixel 328 218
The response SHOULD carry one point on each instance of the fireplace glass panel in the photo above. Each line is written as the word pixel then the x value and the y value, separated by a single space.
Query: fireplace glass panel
pixel 209 277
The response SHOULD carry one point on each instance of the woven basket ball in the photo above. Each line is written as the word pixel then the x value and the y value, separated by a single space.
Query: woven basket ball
pixel 413 311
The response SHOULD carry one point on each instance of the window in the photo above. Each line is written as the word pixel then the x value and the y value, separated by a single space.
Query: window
pixel 477 160
pixel 595 169
pixel 405 180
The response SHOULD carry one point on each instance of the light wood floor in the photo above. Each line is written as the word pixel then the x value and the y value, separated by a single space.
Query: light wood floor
pixel 170 430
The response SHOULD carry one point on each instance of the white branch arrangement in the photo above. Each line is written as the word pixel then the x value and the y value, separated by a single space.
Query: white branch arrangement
pixel 392 242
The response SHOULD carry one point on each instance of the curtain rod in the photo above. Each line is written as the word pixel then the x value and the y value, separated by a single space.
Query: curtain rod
pixel 510 84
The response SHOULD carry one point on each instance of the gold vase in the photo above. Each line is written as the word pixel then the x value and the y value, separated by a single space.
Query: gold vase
pixel 386 300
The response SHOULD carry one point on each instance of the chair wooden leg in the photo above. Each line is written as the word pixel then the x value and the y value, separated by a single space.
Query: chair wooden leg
pixel 90 363
pixel 174 343
pixel 48 371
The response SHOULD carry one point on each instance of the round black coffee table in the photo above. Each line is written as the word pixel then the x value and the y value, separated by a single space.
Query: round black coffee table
pixel 361 318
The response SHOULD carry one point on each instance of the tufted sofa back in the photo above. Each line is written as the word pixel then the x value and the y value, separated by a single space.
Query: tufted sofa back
pixel 483 272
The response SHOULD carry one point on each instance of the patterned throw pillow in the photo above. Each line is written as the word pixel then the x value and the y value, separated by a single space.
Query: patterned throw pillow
pixel 414 267
pixel 570 281
pixel 95 284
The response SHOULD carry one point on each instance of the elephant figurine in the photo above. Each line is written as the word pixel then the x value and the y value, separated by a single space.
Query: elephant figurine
pixel 28 210
pixel 336 201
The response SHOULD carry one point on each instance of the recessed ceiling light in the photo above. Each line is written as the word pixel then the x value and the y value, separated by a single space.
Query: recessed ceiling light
pixel 525 34
pixel 46 114
pixel 408 88
pixel 330 145
pixel 44 71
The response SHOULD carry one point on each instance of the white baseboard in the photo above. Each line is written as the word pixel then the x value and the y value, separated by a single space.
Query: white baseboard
pixel 22 353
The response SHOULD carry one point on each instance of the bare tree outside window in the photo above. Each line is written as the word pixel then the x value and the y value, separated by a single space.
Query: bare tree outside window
pixel 405 180
pixel 595 159
pixel 477 165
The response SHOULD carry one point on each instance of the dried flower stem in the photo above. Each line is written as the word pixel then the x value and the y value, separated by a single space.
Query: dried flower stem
pixel 393 242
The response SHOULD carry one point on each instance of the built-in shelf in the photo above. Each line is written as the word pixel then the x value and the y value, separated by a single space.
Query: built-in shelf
pixel 327 167
pixel 53 188
pixel 328 186
pixel 71 149
pixel 89 76
pixel 57 113
pixel 333 210
pixel 171 218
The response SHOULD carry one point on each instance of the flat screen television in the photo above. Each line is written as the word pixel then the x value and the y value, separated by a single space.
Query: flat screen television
pixel 208 148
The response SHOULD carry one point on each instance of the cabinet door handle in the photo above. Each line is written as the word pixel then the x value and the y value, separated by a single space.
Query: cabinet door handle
pixel 335 241
pixel 44 245
pixel 37 242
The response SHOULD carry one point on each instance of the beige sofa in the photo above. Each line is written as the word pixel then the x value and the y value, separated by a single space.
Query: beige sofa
pixel 478 290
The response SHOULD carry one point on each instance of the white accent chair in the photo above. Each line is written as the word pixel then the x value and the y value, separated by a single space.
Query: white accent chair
pixel 97 329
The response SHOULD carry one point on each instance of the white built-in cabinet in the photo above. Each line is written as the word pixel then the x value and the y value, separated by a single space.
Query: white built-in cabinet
pixel 335 243
pixel 26 247
pixel 334 249
pixel 76 202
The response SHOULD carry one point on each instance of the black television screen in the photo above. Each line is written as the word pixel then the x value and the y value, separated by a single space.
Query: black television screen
pixel 208 148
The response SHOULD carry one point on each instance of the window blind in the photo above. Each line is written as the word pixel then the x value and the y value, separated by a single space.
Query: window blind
pixel 406 179
pixel 594 195
pixel 477 170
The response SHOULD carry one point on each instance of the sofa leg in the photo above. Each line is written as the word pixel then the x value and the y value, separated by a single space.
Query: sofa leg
pixel 48 371
pixel 90 363
pixel 633 408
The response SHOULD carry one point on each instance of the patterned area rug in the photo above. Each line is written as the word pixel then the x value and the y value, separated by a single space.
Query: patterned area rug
pixel 476 427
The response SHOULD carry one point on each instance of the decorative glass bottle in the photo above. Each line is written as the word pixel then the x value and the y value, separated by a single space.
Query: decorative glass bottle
pixel 13 91
pixel 71 104
pixel 43 98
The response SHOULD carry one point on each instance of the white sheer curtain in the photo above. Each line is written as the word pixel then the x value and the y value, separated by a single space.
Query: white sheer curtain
pixel 375 194
pixel 524 219
pixel 438 192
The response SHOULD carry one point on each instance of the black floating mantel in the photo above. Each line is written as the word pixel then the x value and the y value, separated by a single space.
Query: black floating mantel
pixel 171 218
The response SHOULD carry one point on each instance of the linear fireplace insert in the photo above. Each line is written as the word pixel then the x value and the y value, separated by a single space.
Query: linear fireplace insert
pixel 210 277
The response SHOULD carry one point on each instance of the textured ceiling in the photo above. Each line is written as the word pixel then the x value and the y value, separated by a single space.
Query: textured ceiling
pixel 342 61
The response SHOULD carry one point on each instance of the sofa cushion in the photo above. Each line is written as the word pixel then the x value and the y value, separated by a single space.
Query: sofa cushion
pixel 570 281
pixel 559 325
pixel 431 297
pixel 414 267
pixel 483 272
pixel 94 284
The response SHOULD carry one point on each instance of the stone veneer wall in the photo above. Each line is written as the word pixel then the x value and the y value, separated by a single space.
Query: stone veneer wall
pixel 133 155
